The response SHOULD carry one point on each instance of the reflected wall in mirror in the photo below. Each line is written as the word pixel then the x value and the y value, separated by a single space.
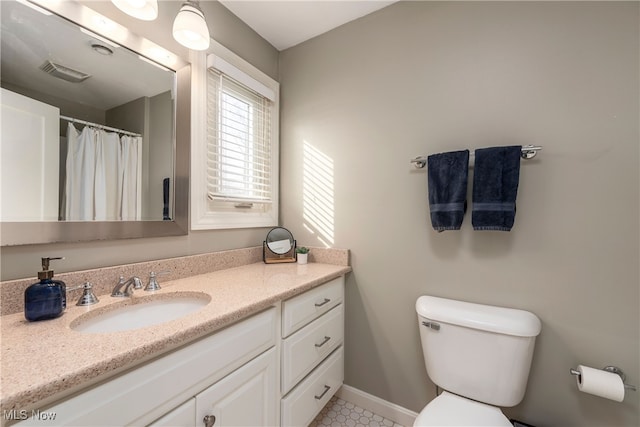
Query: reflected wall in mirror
pixel 90 145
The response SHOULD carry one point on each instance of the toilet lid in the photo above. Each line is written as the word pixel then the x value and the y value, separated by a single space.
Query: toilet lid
pixel 452 410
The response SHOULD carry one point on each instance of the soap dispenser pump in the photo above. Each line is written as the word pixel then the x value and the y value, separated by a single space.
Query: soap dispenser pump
pixel 47 298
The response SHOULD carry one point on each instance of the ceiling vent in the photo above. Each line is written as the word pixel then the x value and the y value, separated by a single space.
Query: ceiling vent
pixel 63 72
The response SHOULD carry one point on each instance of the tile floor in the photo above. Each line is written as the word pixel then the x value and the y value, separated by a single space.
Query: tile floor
pixel 339 413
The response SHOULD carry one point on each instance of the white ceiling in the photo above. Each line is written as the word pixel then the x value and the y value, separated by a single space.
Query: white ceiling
pixel 28 38
pixel 286 23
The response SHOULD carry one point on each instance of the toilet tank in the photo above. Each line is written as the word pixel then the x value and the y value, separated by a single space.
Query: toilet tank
pixel 477 351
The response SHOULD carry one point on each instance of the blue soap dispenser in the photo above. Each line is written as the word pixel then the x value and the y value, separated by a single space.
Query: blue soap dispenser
pixel 47 298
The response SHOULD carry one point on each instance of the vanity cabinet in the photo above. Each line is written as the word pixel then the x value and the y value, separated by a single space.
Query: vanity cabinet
pixel 311 370
pixel 278 367
pixel 312 352
pixel 146 393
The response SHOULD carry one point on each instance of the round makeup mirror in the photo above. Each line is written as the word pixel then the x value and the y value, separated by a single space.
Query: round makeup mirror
pixel 279 246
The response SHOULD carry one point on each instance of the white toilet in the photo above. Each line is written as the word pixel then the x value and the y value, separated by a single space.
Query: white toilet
pixel 480 357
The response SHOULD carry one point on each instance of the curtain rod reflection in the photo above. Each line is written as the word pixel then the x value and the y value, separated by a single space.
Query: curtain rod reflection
pixel 84 122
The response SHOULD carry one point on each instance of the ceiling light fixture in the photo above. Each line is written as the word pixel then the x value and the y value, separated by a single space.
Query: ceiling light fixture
pixel 190 28
pixel 147 10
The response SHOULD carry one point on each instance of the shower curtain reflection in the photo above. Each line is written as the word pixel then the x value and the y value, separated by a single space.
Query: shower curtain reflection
pixel 103 176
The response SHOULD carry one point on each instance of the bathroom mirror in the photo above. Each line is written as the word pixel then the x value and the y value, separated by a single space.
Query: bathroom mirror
pixel 279 246
pixel 65 66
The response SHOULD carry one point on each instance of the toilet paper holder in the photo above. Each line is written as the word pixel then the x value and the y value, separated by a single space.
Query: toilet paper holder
pixel 613 370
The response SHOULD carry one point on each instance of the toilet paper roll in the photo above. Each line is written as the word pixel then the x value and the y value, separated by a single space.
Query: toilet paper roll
pixel 600 383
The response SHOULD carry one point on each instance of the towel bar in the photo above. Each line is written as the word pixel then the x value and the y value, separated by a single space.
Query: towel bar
pixel 528 152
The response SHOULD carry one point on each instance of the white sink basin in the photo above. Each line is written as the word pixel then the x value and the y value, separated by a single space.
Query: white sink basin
pixel 140 312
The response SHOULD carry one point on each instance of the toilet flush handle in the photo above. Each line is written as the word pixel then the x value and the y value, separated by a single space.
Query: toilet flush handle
pixel 432 325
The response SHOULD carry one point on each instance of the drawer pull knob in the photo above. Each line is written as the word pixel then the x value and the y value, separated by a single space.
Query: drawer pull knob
pixel 320 304
pixel 209 420
pixel 324 341
pixel 326 389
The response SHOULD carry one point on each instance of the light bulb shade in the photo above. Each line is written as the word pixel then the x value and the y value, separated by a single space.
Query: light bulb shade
pixel 190 28
pixel 147 10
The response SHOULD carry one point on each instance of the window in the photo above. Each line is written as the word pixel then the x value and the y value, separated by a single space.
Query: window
pixel 239 161
pixel 238 143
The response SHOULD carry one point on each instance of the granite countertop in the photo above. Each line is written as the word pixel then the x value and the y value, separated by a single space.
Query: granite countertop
pixel 45 361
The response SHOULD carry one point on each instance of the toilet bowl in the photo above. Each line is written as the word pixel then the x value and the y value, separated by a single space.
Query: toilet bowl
pixel 449 409
pixel 480 355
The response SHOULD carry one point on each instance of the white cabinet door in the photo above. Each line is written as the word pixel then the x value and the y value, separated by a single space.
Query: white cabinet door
pixel 246 397
pixel 183 416
pixel 30 152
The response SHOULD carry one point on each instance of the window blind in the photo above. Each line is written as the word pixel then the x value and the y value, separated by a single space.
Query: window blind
pixel 238 142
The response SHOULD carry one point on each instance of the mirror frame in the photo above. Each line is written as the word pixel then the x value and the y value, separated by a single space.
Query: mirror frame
pixel 27 233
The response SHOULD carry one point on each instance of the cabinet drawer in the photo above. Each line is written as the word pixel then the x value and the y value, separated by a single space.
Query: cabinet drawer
pixel 302 351
pixel 302 309
pixel 305 401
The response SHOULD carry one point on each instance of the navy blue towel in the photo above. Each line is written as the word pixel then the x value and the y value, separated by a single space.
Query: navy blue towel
pixel 495 187
pixel 448 189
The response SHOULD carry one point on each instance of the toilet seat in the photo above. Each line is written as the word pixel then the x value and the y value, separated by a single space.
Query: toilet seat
pixel 452 410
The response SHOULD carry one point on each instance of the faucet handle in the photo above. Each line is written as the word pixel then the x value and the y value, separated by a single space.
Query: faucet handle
pixel 153 284
pixel 88 297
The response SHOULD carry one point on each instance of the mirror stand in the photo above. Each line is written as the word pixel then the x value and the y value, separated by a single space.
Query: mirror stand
pixel 279 247
pixel 270 257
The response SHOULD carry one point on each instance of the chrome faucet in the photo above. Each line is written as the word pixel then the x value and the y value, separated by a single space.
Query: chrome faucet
pixel 124 287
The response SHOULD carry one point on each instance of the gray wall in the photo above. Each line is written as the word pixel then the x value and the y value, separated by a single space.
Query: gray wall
pixel 425 77
pixel 160 152
pixel 226 28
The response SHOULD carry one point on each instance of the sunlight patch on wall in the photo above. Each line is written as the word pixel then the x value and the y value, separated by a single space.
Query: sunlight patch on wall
pixel 317 193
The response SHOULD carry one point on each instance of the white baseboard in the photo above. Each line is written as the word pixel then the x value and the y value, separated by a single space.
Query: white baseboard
pixel 385 409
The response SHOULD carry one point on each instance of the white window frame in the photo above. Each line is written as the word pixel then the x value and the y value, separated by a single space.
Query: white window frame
pixel 203 217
